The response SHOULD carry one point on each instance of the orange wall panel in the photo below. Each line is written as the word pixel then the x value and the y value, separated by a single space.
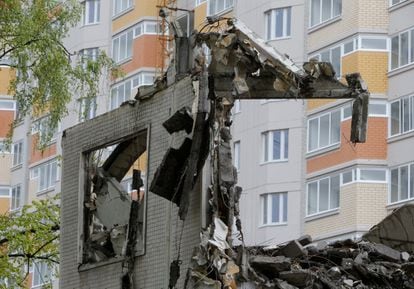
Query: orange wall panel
pixel 6 75
pixel 374 148
pixel 141 9
pixel 4 205
pixel 146 53
pixel 35 154
pixel 6 119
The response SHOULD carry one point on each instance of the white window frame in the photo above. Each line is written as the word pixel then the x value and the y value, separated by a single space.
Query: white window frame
pixel 410 195
pixel 36 174
pixel 199 2
pixel 17 149
pixel 228 4
pixel 343 116
pixel 143 28
pixel 6 188
pixel 358 177
pixel 410 48
pixel 394 4
pixel 378 102
pixel 128 35
pixel 330 143
pixel 40 126
pixel 265 200
pixel 6 107
pixel 123 9
pixel 96 6
pixel 41 268
pixel 15 203
pixel 271 16
pixel 236 156
pixel 86 103
pixel 284 146
pixel 320 22
pixel 317 181
pixel 401 117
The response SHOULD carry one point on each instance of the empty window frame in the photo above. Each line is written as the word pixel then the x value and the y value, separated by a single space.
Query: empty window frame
pixel 16 196
pixel 324 10
pixel 274 208
pixel 323 195
pixel 278 23
pixel 217 6
pixel 122 46
pixel 17 153
pixel 275 145
pixel 402 183
pixel 402 118
pixel 92 11
pixel 324 130
pixel 402 49
pixel 119 6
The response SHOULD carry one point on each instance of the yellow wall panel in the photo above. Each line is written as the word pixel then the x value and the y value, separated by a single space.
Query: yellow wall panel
pixel 142 9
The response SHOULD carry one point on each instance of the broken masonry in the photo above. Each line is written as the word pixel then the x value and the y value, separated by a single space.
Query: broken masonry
pixel 242 66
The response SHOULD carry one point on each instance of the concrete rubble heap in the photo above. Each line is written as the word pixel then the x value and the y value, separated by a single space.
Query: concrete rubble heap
pixel 343 264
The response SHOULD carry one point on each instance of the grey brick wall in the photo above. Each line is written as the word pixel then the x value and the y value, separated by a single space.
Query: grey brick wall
pixel 163 228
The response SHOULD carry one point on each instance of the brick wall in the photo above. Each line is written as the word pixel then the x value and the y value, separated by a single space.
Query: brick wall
pixel 361 206
pixel 162 225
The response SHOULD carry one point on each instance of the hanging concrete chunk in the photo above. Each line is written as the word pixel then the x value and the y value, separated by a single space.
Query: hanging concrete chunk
pixel 180 120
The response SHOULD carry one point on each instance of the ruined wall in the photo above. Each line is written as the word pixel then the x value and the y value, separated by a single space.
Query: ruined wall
pixel 162 226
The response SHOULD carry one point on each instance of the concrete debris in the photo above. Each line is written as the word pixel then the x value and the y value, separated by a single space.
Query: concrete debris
pixel 305 240
pixel 180 120
pixel 343 264
pixel 220 235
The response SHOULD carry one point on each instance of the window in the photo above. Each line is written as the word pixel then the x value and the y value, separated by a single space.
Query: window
pixel 42 274
pixel 122 91
pixel 42 127
pixel 87 55
pixel 275 145
pixel 4 148
pixel 46 175
pixel 122 46
pixel 372 175
pixel 347 111
pixel 15 198
pixel 324 10
pixel 395 2
pixel 146 27
pixel 120 6
pixel 324 130
pixel 199 2
pixel 274 208
pixel 323 195
pixel 237 155
pixel 18 153
pixel 216 6
pixel 402 118
pixel 334 56
pixel 87 108
pixel 7 104
pixel 377 108
pixel 402 183
pixel 4 192
pixel 347 177
pixel 402 49
pixel 91 12
pixel 373 43
pixel 278 23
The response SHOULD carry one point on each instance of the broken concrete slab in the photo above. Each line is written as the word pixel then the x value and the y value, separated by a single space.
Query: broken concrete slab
pixel 292 249
pixel 270 266
pixel 305 240
pixel 180 120
pixel 384 252
pixel 299 278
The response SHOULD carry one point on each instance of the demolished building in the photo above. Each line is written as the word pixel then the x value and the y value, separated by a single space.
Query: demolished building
pixel 183 124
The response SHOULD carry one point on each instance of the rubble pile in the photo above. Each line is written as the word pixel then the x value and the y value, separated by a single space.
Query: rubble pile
pixel 343 264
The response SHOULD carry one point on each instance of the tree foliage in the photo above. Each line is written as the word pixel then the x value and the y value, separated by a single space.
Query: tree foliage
pixel 48 75
pixel 27 238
